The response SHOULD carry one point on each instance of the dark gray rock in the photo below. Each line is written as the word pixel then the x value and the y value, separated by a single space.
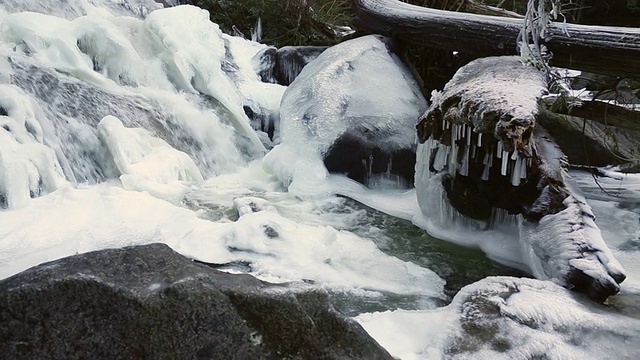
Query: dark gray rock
pixel 282 66
pixel 150 302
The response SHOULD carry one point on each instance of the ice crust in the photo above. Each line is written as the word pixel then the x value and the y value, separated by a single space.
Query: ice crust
pixel 147 163
pixel 508 318
pixel 357 86
pixel 71 221
pixel 71 9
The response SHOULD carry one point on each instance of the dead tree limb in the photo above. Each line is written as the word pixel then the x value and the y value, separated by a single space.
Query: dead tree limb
pixel 599 49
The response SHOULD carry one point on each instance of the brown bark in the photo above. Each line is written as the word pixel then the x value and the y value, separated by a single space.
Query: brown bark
pixel 599 49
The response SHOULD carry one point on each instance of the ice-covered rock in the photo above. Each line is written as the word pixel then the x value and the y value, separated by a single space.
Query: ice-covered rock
pixel 147 163
pixel 250 204
pixel 508 318
pixel 28 168
pixel 354 108
pixel 485 163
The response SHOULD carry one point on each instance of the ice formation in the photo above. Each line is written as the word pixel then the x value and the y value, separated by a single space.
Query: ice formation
pixel 357 88
pixel 507 318
pixel 484 163
pixel 147 163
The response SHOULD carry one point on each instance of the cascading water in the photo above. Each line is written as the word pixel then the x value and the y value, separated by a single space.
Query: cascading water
pixel 122 123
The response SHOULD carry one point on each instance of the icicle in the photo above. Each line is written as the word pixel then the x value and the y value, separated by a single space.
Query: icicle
pixel 468 135
pixel 514 155
pixel 515 177
pixel 485 173
pixel 444 124
pixel 474 152
pixel 499 150
pixel 523 171
pixel 441 157
pixel 479 140
pixel 464 167
pixel 453 160
pixel 505 162
pixel 486 159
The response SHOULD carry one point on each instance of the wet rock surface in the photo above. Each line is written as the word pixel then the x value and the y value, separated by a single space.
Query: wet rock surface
pixel 150 302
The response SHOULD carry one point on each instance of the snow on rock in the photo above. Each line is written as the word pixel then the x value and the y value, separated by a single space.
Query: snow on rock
pixel 357 92
pixel 568 247
pixel 495 95
pixel 250 204
pixel 147 163
pixel 508 318
pixel 485 163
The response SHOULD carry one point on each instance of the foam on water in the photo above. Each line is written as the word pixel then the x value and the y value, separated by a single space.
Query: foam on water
pixel 278 249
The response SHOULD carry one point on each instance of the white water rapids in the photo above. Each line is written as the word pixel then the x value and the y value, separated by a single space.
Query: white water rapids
pixel 124 125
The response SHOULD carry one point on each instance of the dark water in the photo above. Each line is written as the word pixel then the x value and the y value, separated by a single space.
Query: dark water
pixel 457 265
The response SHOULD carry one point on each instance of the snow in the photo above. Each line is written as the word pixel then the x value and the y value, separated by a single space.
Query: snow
pixel 487 85
pixel 507 318
pixel 71 221
pixel 357 86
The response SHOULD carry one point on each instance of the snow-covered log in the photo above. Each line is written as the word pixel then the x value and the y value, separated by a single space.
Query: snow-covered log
pixel 481 137
pixel 598 49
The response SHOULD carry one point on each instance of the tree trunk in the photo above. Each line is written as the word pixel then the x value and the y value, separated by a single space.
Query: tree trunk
pixel 599 49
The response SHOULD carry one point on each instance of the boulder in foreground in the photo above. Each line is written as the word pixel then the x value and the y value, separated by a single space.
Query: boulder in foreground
pixel 150 302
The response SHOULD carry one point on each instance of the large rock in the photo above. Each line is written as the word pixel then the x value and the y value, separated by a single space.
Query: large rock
pixel 483 148
pixel 353 110
pixel 150 302
pixel 511 318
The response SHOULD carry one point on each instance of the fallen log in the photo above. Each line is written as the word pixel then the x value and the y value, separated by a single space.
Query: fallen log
pixel 607 114
pixel 598 49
